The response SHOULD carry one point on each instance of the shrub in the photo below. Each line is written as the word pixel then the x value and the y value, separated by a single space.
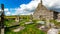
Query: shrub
pixel 34 21
pixel 53 21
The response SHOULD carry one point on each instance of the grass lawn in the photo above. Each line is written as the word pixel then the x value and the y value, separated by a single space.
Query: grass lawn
pixel 30 29
pixel 8 23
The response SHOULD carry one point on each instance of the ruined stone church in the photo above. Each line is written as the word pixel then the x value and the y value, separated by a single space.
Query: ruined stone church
pixel 42 12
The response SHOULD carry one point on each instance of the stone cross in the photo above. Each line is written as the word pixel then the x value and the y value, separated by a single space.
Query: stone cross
pixel 2 19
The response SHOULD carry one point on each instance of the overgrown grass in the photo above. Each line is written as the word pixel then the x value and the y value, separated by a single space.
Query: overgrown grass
pixel 8 22
pixel 29 29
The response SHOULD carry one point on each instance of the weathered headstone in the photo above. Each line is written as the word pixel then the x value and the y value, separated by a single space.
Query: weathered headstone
pixel 19 29
pixel 17 19
pixel 53 31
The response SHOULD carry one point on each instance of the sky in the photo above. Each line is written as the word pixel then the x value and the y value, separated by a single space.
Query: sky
pixel 27 7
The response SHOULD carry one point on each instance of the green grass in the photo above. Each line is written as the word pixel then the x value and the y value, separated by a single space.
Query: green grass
pixel 8 22
pixel 30 29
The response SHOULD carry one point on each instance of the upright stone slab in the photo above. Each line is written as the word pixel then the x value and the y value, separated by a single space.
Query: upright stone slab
pixel 2 20
pixel 47 23
pixel 53 31
pixel 2 31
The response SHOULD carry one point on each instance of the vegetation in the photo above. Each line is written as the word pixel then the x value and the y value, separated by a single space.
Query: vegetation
pixel 8 23
pixel 55 22
pixel 29 29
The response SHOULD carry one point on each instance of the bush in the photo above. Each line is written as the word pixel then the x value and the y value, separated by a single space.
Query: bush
pixel 34 21
pixel 53 21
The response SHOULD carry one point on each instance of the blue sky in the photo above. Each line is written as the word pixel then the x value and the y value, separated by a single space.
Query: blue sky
pixel 27 7
pixel 13 3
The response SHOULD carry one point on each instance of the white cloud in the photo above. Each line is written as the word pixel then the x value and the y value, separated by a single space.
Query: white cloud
pixel 27 9
pixel 13 14
pixel 6 9
pixel 8 13
pixel 0 9
pixel 52 3
pixel 27 13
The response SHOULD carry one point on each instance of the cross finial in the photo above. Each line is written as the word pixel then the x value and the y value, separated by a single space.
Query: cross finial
pixel 41 2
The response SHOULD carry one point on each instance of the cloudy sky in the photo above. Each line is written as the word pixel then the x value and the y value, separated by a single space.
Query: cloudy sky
pixel 27 7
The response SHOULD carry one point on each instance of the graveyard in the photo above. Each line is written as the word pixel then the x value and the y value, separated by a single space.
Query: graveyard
pixel 30 28
pixel 42 21
pixel 27 25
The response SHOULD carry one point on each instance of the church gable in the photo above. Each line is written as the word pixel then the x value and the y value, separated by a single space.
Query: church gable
pixel 41 10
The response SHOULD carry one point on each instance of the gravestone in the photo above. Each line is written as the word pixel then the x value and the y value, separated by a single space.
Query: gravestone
pixel 17 19
pixel 53 31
